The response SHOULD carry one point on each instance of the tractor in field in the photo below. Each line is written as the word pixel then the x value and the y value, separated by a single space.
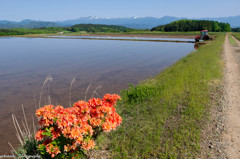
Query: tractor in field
pixel 204 36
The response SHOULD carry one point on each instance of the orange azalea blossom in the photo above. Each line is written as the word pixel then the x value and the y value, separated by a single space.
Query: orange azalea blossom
pixel 83 106
pixel 95 122
pixel 95 102
pixel 107 126
pixel 45 122
pixel 52 150
pixel 87 145
pixel 76 133
pixel 66 132
pixel 108 98
pixel 39 136
pixel 78 125
pixel 67 148
pixel 55 132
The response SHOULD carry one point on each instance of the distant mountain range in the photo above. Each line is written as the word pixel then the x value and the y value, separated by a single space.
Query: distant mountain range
pixel 133 22
pixel 26 24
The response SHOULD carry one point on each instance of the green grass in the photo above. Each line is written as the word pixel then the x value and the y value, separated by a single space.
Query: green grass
pixel 23 31
pixel 231 40
pixel 163 116
pixel 236 35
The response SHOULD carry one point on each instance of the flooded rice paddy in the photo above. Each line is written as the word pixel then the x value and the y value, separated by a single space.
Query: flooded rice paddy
pixel 110 64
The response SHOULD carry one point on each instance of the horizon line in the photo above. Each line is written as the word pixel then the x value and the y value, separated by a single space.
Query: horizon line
pixel 98 17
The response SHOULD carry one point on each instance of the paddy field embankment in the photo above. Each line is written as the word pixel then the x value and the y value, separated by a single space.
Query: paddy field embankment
pixel 165 116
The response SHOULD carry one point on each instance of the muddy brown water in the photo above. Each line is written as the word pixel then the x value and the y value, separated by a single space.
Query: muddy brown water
pixel 26 62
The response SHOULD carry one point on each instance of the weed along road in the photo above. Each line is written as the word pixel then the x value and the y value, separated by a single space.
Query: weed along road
pixel 232 96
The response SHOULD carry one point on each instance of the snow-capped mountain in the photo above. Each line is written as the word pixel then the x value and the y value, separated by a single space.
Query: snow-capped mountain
pixel 132 22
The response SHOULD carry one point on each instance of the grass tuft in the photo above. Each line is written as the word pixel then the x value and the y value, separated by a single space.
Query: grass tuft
pixel 26 138
pixel 236 35
pixel 231 40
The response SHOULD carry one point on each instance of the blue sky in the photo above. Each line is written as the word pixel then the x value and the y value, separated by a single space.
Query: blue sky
pixel 56 10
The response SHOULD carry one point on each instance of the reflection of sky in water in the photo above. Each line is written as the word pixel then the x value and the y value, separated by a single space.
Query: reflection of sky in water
pixel 25 63
pixel 25 54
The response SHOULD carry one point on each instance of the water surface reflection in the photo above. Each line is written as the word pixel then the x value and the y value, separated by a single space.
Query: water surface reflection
pixel 26 62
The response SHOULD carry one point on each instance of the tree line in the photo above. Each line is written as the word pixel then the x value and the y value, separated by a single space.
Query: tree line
pixel 75 28
pixel 194 25
pixel 93 28
pixel 236 29
pixel 99 28
pixel 24 31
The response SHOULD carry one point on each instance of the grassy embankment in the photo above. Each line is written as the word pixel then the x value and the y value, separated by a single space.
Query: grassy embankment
pixel 22 31
pixel 236 35
pixel 68 32
pixel 164 115
pixel 139 33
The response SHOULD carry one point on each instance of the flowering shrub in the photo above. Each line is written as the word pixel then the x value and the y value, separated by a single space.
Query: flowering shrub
pixel 71 131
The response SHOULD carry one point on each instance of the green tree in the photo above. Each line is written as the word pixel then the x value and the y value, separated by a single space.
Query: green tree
pixel 215 27
pixel 193 25
pixel 75 29
pixel 226 27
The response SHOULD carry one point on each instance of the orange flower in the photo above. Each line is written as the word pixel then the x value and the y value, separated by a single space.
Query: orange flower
pixel 95 122
pixel 77 124
pixel 106 126
pixel 55 132
pixel 83 106
pixel 39 112
pixel 76 133
pixel 95 102
pixel 67 148
pixel 66 132
pixel 52 150
pixel 88 144
pixel 39 136
pixel 111 99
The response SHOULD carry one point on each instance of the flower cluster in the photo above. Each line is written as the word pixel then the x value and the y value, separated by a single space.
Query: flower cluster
pixel 73 130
